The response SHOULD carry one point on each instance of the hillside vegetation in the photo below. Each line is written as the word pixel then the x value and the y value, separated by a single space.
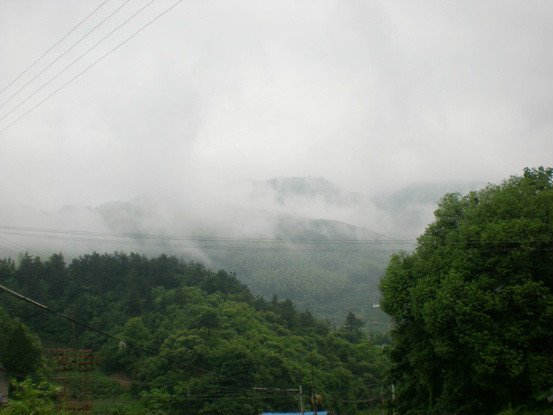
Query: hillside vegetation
pixel 211 340
pixel 473 306
pixel 329 273
pixel 303 238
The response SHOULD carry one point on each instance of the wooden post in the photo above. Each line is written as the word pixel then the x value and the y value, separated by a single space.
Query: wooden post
pixel 301 400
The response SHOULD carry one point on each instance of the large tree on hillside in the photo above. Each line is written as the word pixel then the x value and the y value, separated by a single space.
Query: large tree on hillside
pixel 473 305
pixel 20 350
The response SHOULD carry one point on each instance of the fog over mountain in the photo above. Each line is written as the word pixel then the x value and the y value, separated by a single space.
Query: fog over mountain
pixel 282 208
pixel 219 130
pixel 303 238
pixel 375 96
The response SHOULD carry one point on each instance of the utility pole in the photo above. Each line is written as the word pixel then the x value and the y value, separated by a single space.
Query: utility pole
pixel 314 396
pixel 73 330
pixel 393 399
pixel 300 390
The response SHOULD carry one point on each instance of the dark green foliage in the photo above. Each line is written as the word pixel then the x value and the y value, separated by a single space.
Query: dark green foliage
pixel 20 350
pixel 326 281
pixel 352 328
pixel 213 342
pixel 32 398
pixel 473 306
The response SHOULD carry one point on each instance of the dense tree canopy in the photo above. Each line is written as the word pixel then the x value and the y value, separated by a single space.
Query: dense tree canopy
pixel 473 305
pixel 211 340
pixel 20 350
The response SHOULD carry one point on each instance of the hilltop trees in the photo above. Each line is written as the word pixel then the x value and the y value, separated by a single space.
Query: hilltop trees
pixel 210 340
pixel 473 306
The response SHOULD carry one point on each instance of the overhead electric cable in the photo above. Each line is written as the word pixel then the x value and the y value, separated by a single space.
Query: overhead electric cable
pixel 206 389
pixel 92 64
pixel 52 47
pixel 20 246
pixel 43 307
pixel 200 238
pixel 8 249
pixel 55 60
pixel 35 229
pixel 111 336
pixel 224 247
pixel 74 61
pixel 27 249
pixel 162 240
pixel 217 243
pixel 289 247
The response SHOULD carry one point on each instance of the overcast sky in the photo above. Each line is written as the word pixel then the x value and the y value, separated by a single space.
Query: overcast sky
pixel 373 95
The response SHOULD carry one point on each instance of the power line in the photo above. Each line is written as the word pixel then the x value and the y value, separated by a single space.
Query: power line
pixel 208 243
pixel 91 65
pixel 111 336
pixel 43 307
pixel 201 390
pixel 290 244
pixel 381 246
pixel 52 47
pixel 20 246
pixel 200 238
pixel 220 245
pixel 81 232
pixel 270 249
pixel 74 61
pixel 8 249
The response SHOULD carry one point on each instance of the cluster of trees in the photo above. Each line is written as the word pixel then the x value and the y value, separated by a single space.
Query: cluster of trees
pixel 473 305
pixel 21 357
pixel 210 342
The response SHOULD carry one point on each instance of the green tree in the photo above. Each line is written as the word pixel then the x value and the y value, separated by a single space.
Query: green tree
pixel 352 330
pixel 32 398
pixel 473 306
pixel 20 350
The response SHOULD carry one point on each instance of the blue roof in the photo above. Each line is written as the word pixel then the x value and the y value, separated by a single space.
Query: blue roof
pixel 295 413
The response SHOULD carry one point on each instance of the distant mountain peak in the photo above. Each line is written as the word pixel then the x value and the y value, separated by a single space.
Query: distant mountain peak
pixel 286 189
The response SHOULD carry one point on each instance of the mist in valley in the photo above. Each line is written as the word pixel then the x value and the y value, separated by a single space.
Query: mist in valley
pixel 315 136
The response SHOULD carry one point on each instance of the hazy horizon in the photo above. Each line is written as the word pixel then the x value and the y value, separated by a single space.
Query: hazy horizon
pixel 374 96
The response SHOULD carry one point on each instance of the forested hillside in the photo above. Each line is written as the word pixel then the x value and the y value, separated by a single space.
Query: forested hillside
pixel 333 269
pixel 286 236
pixel 210 340
pixel 303 238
